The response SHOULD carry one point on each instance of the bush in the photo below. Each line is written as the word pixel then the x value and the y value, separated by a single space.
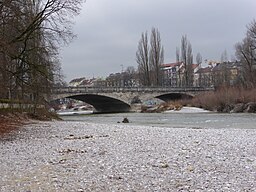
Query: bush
pixel 224 98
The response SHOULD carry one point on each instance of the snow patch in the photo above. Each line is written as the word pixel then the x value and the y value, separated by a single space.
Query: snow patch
pixel 188 110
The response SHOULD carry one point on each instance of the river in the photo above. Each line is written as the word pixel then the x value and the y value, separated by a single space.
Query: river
pixel 176 120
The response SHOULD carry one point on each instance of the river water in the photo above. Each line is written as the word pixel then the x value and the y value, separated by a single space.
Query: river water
pixel 177 120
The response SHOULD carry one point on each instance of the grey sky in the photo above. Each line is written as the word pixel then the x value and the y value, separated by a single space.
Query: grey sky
pixel 108 31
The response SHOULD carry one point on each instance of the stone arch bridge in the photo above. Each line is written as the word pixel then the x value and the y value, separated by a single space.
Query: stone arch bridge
pixel 120 99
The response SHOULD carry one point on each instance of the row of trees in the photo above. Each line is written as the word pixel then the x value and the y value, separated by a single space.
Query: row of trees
pixel 149 56
pixel 31 33
pixel 185 55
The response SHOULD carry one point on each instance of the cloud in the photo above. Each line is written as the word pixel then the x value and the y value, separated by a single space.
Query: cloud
pixel 108 31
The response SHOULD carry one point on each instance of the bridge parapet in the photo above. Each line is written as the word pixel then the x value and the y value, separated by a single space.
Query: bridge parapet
pixel 94 90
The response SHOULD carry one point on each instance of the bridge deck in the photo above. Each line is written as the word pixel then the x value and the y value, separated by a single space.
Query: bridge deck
pixel 61 90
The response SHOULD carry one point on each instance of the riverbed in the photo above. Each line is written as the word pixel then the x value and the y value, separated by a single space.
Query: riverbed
pixel 110 156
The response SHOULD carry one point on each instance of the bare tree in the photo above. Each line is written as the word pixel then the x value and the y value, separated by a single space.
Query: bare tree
pixel 224 57
pixel 199 59
pixel 142 58
pixel 156 57
pixel 189 66
pixel 187 60
pixel 246 53
pixel 130 76
pixel 177 54
pixel 31 33
pixel 150 56
pixel 179 81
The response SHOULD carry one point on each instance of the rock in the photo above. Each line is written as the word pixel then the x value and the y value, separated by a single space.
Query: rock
pixel 151 109
pixel 238 108
pixel 125 120
pixel 225 108
pixel 228 108
pixel 190 168
pixel 102 152
pixel 136 99
pixel 72 137
pixel 104 136
pixel 250 107
pixel 164 165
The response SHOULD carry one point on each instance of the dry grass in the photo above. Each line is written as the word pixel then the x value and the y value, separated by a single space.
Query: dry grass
pixel 174 105
pixel 10 122
pixel 224 96
pixel 223 99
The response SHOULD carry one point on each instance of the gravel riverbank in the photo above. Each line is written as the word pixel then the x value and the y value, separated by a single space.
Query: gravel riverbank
pixel 79 156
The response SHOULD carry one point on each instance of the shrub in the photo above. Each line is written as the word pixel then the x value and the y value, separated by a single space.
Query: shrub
pixel 224 97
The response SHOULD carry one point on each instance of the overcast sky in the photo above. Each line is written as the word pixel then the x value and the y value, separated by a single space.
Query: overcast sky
pixel 108 31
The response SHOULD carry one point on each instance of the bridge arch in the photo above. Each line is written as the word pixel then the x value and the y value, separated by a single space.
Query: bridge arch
pixel 102 104
pixel 174 96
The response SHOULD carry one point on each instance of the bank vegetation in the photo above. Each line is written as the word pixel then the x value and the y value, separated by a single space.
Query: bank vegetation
pixel 31 34
pixel 224 99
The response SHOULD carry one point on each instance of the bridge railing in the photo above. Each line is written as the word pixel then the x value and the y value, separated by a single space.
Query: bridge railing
pixel 62 90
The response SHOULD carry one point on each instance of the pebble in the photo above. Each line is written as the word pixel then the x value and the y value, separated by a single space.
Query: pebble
pixel 79 156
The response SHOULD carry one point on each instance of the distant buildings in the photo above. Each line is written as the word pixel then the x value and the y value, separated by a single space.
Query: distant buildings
pixel 203 77
pixel 172 72
pixel 81 82
pixel 228 73
pixel 123 79
pixel 174 75
pixel 215 74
